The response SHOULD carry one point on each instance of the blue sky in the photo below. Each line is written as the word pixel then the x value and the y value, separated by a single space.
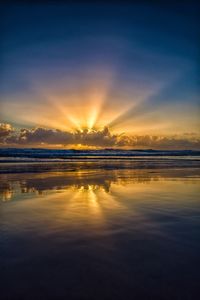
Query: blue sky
pixel 142 59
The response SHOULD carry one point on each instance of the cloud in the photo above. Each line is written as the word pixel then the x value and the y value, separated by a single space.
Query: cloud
pixel 5 131
pixel 38 136
pixel 160 142
pixel 98 138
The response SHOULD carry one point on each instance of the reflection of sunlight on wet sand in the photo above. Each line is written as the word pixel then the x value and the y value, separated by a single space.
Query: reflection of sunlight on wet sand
pixel 94 183
pixel 109 201
pixel 7 195
pixel 84 204
pixel 96 195
pixel 91 201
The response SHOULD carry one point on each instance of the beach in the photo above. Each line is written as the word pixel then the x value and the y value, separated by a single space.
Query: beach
pixel 100 229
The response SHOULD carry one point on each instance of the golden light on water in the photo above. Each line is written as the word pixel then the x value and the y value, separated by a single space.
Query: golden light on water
pixel 91 198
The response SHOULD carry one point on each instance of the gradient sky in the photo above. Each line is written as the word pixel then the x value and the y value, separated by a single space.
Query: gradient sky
pixel 75 67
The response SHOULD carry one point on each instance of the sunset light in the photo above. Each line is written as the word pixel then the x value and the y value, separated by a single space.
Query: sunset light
pixel 99 150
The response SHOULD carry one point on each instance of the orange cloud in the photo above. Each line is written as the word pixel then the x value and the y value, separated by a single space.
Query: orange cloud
pixel 5 131
pixel 44 137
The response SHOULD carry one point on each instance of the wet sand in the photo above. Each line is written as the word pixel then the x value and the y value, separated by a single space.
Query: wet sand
pixel 85 230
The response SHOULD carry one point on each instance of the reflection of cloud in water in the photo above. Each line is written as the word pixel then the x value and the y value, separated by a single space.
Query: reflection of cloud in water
pixel 6 191
pixel 90 183
pixel 78 205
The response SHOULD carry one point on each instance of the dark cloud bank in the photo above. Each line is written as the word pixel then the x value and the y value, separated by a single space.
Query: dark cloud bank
pixel 99 138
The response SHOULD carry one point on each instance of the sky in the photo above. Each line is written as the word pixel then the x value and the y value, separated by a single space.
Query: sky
pixel 100 74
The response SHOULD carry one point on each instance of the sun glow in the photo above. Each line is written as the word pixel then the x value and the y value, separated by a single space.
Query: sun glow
pixel 80 106
pixel 85 105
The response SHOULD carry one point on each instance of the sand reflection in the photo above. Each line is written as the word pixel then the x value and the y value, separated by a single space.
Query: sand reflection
pixel 88 184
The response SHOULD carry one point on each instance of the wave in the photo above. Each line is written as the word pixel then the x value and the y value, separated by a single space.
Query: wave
pixel 62 154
